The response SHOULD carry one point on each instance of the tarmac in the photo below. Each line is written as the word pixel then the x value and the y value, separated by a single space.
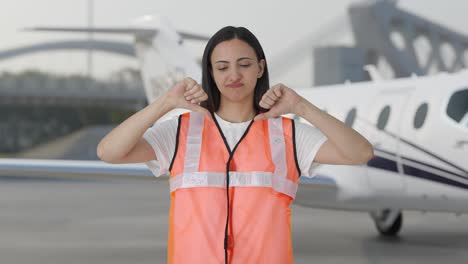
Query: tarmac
pixel 49 220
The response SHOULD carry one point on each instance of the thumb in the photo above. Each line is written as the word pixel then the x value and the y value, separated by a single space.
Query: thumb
pixel 266 115
pixel 198 108
pixel 259 117
pixel 262 116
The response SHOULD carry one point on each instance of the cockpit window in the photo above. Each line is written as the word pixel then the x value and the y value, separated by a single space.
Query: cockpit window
pixel 457 108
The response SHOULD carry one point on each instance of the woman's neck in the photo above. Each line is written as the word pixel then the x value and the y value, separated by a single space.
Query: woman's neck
pixel 236 113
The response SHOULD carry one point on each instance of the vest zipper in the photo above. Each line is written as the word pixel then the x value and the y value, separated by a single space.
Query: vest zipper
pixel 231 154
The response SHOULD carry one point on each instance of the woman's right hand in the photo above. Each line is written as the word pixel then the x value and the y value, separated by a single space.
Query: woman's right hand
pixel 187 94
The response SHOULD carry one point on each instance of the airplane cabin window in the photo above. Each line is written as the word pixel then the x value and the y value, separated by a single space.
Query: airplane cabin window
pixel 383 117
pixel 457 108
pixel 420 116
pixel 350 117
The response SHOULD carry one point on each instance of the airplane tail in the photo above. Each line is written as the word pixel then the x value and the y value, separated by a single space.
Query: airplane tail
pixel 164 60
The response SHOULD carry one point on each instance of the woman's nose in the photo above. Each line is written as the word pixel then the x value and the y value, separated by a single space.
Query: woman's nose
pixel 235 74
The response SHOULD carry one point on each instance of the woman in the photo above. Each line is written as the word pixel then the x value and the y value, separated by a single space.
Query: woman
pixel 234 163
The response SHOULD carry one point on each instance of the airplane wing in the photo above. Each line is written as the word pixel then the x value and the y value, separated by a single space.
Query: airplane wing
pixel 74 168
pixel 319 180
pixel 113 30
pixel 313 191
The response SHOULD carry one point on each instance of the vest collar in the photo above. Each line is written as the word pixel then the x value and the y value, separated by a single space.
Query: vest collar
pixel 231 152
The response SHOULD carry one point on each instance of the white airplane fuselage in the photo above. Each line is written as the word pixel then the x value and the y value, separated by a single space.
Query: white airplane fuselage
pixel 418 165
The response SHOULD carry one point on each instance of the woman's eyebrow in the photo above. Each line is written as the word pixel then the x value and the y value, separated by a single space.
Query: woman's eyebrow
pixel 242 58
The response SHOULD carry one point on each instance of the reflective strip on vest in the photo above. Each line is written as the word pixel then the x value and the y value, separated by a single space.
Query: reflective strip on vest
pixel 194 137
pixel 236 179
pixel 277 146
pixel 191 177
pixel 281 183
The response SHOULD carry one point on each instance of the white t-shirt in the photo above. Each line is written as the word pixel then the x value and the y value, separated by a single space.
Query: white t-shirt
pixel 162 137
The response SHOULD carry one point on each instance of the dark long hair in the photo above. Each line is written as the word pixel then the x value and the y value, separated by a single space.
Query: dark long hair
pixel 208 83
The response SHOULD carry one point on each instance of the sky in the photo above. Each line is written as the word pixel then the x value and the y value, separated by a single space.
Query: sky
pixel 277 24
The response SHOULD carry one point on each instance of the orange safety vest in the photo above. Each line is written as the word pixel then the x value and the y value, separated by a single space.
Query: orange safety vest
pixel 248 222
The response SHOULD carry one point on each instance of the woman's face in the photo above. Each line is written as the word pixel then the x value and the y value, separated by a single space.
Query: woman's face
pixel 235 70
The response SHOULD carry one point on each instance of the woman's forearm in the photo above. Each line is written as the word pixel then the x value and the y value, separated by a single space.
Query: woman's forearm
pixel 348 141
pixel 123 138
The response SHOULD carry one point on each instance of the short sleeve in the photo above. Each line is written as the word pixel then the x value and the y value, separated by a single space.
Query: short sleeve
pixel 309 139
pixel 162 138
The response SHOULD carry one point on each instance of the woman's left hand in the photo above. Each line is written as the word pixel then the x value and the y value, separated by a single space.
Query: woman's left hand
pixel 280 100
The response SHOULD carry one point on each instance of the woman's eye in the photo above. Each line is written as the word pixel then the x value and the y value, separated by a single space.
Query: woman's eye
pixel 245 65
pixel 222 69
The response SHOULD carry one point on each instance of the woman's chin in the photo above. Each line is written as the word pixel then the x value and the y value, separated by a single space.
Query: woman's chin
pixel 239 98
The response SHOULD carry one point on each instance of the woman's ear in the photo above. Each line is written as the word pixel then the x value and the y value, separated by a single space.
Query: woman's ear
pixel 261 68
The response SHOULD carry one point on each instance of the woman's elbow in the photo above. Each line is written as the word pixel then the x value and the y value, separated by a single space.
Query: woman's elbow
pixel 100 152
pixel 102 155
pixel 368 154
pixel 364 156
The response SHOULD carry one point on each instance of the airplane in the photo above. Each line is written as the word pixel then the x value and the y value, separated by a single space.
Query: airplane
pixel 418 127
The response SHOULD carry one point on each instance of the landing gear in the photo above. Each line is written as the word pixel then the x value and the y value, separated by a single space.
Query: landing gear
pixel 388 221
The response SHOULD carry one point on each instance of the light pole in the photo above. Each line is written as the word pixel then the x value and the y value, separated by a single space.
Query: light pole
pixel 90 38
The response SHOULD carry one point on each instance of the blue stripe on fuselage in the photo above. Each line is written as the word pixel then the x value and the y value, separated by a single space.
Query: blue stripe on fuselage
pixel 383 163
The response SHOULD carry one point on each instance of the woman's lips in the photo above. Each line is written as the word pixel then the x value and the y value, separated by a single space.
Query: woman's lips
pixel 235 85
